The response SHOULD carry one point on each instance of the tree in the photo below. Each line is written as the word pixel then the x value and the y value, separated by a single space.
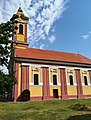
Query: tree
pixel 7 82
pixel 7 30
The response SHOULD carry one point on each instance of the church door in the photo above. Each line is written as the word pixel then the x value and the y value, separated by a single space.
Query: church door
pixel 55 93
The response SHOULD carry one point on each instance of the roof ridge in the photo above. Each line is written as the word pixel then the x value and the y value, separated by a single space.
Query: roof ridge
pixel 54 51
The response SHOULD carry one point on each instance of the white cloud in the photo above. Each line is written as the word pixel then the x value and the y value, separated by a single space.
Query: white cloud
pixel 42 46
pixel 86 36
pixel 51 39
pixel 4 69
pixel 89 32
pixel 42 15
pixel 53 30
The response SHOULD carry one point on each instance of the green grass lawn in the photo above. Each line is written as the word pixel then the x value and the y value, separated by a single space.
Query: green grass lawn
pixel 46 110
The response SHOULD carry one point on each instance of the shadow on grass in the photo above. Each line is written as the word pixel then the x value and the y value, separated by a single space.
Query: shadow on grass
pixel 80 117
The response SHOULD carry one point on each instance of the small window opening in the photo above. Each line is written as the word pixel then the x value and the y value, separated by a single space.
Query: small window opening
pixel 36 79
pixel 20 29
pixel 85 80
pixel 71 80
pixel 54 79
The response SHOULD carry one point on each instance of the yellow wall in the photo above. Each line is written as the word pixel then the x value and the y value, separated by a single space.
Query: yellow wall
pixel 19 47
pixel 70 72
pixel 55 87
pixel 19 79
pixel 86 90
pixel 41 77
pixel 30 74
pixel 50 75
pixel 72 90
pixel 59 76
pixel 54 71
pixel 85 73
pixel 34 71
pixel 35 91
pixel 20 37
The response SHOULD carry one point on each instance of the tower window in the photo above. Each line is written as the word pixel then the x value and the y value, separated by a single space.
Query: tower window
pixel 20 29
pixel 71 80
pixel 36 79
pixel 54 79
pixel 85 80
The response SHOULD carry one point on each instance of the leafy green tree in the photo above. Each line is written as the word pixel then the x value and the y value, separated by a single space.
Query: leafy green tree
pixel 7 30
pixel 7 82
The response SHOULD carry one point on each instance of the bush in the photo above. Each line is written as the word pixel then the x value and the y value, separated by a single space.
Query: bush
pixel 79 107
pixel 7 81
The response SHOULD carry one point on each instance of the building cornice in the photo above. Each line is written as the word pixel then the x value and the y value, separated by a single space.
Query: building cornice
pixel 48 62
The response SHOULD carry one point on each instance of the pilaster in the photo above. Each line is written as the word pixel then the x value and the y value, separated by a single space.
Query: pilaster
pixel 63 83
pixel 79 84
pixel 46 86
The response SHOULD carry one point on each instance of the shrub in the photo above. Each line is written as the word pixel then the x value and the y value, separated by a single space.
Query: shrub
pixel 79 107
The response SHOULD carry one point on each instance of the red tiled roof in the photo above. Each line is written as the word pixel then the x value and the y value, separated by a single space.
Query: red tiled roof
pixel 51 55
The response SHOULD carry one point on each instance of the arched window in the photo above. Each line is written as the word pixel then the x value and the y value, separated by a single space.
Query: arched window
pixel 20 29
pixel 71 80
pixel 54 79
pixel 85 80
pixel 36 81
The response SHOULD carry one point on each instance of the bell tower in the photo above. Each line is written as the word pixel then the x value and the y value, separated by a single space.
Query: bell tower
pixel 20 38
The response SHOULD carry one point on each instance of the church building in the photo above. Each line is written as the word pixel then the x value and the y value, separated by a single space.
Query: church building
pixel 47 74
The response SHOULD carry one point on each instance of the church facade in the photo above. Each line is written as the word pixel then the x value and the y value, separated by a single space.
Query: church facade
pixel 46 74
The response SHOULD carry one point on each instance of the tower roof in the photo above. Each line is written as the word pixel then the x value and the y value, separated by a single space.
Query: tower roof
pixel 21 14
pixel 20 10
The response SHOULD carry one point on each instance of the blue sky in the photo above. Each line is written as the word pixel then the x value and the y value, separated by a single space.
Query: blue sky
pixel 60 25
pixel 73 29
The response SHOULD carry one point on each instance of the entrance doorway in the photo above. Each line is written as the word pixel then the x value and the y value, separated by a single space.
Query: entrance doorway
pixel 55 93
